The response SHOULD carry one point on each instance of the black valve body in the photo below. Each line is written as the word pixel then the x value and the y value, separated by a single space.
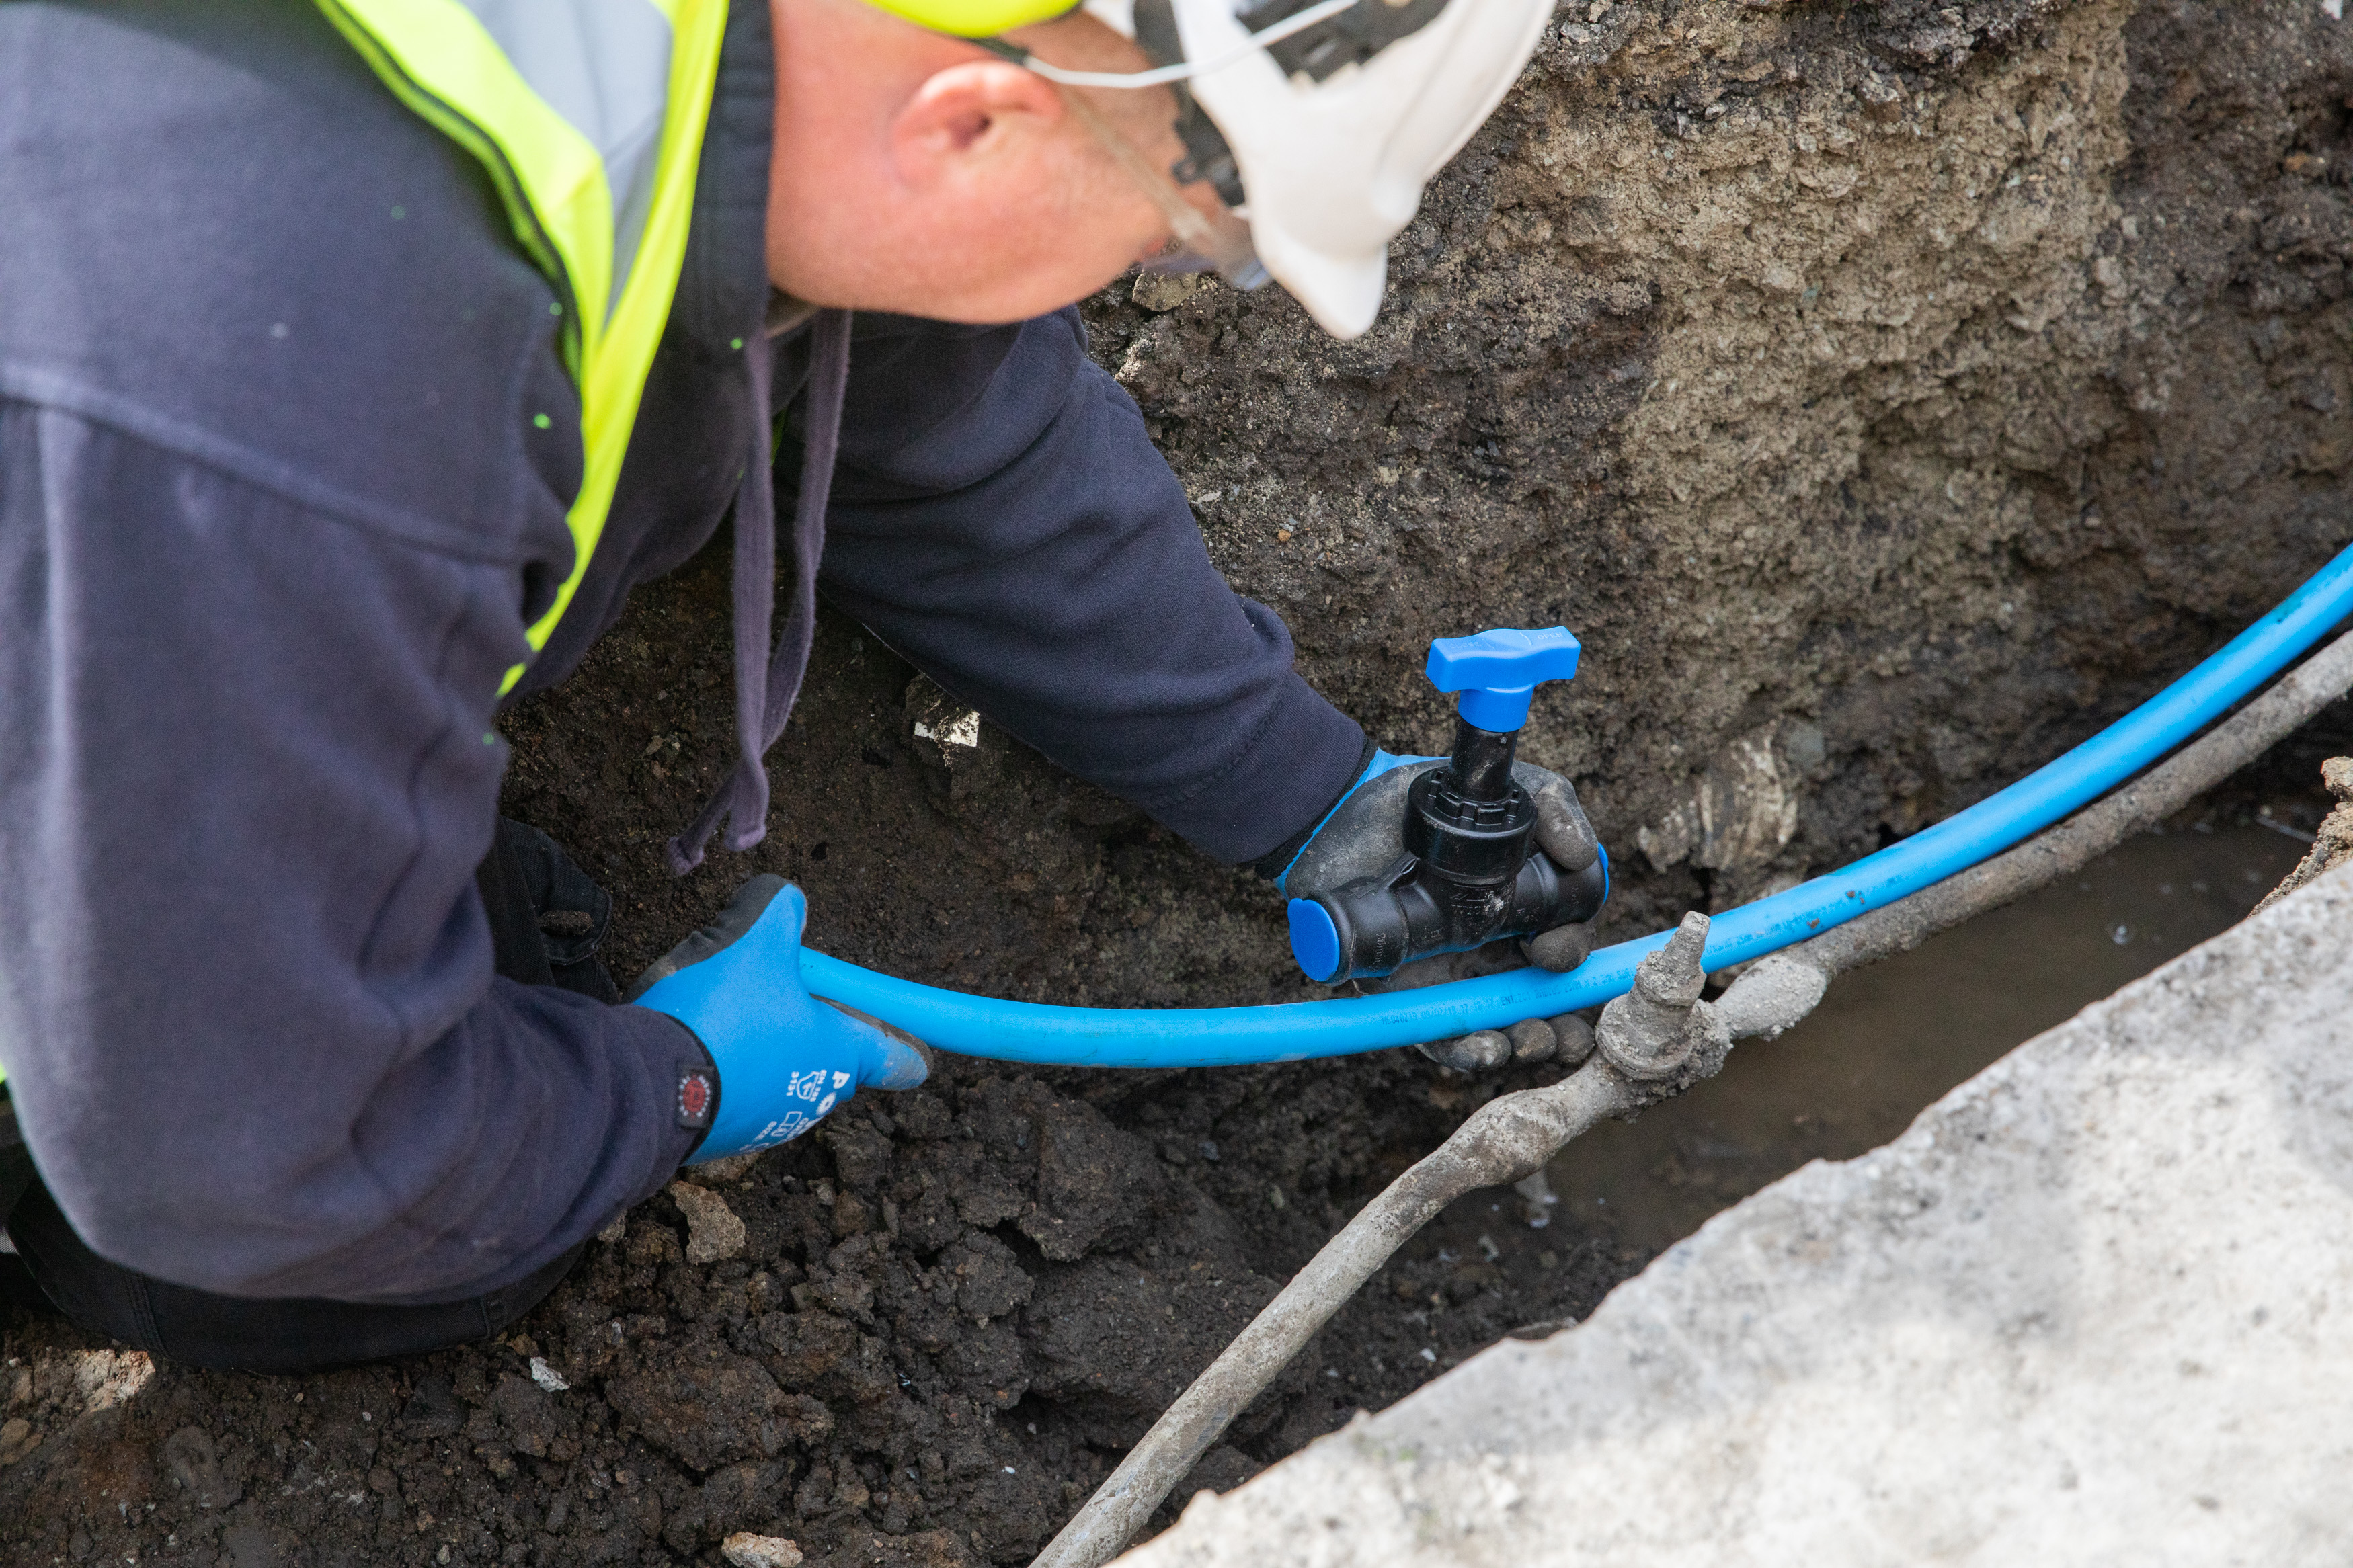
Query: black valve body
pixel 1469 873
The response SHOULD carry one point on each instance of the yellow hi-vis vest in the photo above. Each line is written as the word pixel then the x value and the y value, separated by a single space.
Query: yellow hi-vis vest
pixel 589 116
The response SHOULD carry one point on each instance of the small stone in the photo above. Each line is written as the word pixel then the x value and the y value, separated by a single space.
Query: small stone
pixel 712 1229
pixel 1158 291
pixel 14 1435
pixel 546 1376
pixel 746 1550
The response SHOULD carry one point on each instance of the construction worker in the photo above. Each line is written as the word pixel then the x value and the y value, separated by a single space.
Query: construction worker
pixel 358 357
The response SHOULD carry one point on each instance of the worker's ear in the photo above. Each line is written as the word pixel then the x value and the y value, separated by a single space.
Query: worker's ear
pixel 971 120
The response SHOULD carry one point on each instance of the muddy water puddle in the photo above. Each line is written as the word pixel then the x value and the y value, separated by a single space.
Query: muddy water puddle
pixel 1889 1040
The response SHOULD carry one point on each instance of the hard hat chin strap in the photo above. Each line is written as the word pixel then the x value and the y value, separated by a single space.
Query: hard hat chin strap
pixel 1218 241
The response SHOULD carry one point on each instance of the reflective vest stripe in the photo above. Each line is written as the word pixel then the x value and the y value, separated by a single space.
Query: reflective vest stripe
pixel 608 82
pixel 566 102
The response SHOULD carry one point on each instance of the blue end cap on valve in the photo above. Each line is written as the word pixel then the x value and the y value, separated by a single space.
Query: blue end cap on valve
pixel 1498 671
pixel 1314 940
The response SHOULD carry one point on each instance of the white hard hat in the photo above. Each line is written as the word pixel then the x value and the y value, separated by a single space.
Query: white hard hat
pixel 1320 123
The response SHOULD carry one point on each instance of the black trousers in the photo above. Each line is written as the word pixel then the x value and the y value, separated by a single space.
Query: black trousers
pixel 527 884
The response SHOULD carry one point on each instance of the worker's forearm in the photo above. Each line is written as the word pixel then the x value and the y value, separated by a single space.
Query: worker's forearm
pixel 1032 551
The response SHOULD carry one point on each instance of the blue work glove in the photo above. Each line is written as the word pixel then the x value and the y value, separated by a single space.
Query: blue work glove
pixel 1365 833
pixel 784 1058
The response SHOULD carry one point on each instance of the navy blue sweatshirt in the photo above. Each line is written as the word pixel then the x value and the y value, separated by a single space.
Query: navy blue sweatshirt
pixel 275 508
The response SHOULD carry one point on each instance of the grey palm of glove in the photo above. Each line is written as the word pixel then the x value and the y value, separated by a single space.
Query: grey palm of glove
pixel 1362 835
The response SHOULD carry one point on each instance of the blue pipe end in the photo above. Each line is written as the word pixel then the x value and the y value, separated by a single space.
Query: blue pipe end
pixel 1314 940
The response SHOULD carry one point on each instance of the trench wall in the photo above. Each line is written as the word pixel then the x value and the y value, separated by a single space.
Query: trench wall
pixel 1886 394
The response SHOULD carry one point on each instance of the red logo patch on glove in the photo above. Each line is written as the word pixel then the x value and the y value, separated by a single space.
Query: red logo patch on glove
pixel 698 1097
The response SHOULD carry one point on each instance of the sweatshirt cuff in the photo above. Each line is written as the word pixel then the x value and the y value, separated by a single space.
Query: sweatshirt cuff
pixel 1277 860
pixel 692 1079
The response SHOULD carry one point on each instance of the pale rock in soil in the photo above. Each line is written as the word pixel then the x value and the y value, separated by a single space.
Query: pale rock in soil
pixel 746 1550
pixel 712 1229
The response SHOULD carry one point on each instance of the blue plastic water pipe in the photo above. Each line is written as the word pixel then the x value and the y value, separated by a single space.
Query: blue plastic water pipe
pixel 1229 1037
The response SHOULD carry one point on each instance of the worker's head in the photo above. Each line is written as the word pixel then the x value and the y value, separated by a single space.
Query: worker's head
pixel 918 172
pixel 921 171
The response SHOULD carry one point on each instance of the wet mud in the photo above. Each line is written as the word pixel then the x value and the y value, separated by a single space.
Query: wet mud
pixel 1891 1038
pixel 1889 396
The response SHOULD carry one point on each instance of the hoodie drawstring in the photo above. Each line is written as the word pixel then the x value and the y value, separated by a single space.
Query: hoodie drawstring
pixel 766 685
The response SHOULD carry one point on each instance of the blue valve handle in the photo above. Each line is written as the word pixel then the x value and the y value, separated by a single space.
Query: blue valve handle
pixel 1498 671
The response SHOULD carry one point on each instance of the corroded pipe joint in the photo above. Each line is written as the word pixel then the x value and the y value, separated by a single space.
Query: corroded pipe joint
pixel 1651 1032
pixel 1672 977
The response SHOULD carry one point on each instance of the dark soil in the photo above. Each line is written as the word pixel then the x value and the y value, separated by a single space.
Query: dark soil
pixel 1639 381
pixel 953 1309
